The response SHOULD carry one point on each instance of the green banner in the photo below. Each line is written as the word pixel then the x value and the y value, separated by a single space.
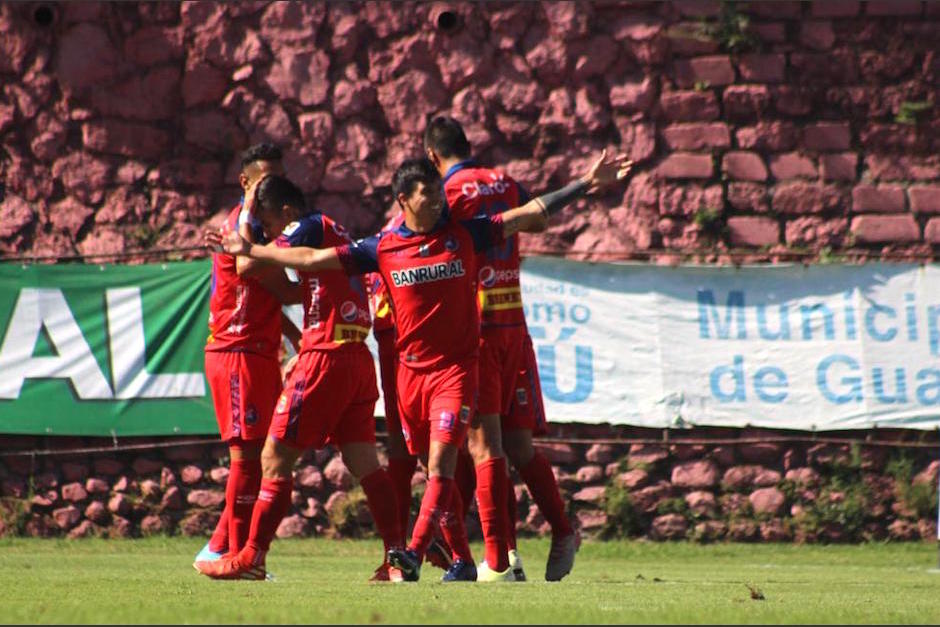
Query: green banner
pixel 104 350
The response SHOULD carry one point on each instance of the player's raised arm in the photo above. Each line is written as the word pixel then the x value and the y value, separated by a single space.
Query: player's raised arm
pixel 533 216
pixel 300 258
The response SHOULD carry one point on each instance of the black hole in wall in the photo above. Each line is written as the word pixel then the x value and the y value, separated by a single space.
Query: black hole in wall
pixel 43 15
pixel 447 20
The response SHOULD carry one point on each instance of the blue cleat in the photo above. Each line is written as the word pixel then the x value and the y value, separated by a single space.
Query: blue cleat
pixel 460 571
pixel 407 562
pixel 207 555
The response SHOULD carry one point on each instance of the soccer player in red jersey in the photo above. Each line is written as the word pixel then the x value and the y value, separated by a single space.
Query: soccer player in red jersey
pixel 429 267
pixel 329 396
pixel 510 405
pixel 245 327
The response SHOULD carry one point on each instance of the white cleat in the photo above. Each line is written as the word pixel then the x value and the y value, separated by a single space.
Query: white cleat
pixel 488 575
pixel 515 563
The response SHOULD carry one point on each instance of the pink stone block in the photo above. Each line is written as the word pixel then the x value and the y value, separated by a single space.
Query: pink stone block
pixel 745 101
pixel 689 106
pixel 810 230
pixel 932 231
pixel 808 198
pixel 924 198
pixel 768 136
pixel 753 231
pixel 697 136
pixel 713 70
pixel 827 136
pixel 762 68
pixel 817 35
pixel 839 166
pixel 834 8
pixel 880 229
pixel 792 165
pixel 893 7
pixel 770 32
pixel 685 165
pixel 744 166
pixel 878 199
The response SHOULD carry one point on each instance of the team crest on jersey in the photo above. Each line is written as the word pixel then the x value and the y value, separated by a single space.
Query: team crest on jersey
pixel 291 228
pixel 349 311
pixel 251 415
pixel 521 397
pixel 424 250
pixel 451 243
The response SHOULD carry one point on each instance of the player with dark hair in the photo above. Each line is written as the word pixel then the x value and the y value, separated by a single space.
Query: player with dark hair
pixel 428 265
pixel 510 405
pixel 330 394
pixel 245 327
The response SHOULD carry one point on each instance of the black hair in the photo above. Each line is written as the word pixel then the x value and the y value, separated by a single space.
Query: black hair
pixel 276 191
pixel 410 173
pixel 261 152
pixel 445 136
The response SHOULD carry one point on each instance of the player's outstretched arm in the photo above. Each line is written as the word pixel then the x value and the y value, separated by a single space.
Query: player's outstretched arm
pixel 533 216
pixel 300 258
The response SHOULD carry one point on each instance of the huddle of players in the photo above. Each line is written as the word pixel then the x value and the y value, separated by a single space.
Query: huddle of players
pixel 456 359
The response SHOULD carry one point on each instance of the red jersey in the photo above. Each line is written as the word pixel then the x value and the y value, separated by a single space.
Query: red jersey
pixel 431 284
pixel 475 191
pixel 336 307
pixel 383 319
pixel 243 315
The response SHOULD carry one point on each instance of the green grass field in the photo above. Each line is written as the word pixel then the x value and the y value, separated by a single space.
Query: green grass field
pixel 324 581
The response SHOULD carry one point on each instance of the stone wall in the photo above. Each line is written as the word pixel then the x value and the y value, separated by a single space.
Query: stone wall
pixel 724 484
pixel 774 127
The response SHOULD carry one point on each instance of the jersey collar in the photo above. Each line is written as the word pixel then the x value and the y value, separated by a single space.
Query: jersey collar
pixel 457 167
pixel 404 231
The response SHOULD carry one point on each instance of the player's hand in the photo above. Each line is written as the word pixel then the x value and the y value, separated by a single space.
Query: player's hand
pixel 605 172
pixel 250 194
pixel 226 241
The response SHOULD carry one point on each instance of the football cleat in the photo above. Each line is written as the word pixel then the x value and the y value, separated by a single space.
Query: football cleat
pixel 561 556
pixel 231 569
pixel 460 571
pixel 206 555
pixel 407 562
pixel 486 574
pixel 387 572
pixel 438 555
pixel 515 563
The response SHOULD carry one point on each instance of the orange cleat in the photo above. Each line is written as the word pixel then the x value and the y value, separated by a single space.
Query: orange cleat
pixel 231 568
pixel 387 572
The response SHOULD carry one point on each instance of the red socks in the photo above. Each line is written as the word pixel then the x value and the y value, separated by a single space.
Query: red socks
pixel 241 492
pixel 401 470
pixel 538 477
pixel 436 501
pixel 383 503
pixel 218 543
pixel 491 502
pixel 454 531
pixel 512 513
pixel 273 502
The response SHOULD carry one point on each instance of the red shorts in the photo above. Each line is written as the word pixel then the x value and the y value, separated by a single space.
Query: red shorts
pixel 329 398
pixel 244 390
pixel 509 380
pixel 388 365
pixel 436 404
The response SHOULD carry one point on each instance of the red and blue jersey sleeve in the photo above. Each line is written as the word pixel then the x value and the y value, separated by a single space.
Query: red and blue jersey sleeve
pixel 361 256
pixel 308 231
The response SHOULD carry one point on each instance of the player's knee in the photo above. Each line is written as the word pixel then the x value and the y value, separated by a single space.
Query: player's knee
pixel 274 464
pixel 518 447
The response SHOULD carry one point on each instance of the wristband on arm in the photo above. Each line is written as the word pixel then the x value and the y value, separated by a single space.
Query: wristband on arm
pixel 553 202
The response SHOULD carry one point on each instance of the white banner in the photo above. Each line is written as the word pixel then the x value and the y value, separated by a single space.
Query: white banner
pixel 818 347
pixel 786 346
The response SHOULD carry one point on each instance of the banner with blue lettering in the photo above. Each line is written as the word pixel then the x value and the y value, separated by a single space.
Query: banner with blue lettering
pixel 788 346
